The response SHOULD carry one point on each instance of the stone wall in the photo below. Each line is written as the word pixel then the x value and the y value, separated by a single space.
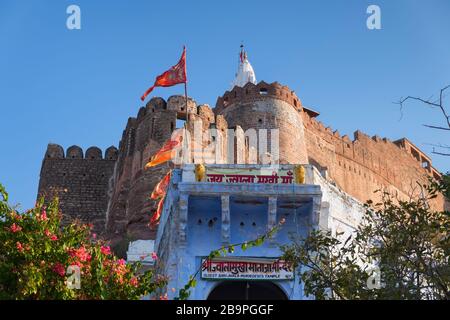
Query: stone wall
pixel 267 106
pixel 113 191
pixel 365 164
pixel 130 208
pixel 80 181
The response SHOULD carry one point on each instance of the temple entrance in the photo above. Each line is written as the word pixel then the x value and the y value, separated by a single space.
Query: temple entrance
pixel 247 290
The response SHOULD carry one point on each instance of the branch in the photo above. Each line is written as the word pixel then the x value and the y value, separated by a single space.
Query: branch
pixel 439 105
pixel 436 127
pixel 441 153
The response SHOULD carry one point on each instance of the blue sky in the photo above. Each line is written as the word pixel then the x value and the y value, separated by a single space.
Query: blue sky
pixel 80 86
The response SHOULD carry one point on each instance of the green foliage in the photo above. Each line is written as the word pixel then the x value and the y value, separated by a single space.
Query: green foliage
pixel 184 293
pixel 405 240
pixel 39 259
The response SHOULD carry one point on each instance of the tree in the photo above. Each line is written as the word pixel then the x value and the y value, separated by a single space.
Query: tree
pixel 437 103
pixel 40 259
pixel 404 243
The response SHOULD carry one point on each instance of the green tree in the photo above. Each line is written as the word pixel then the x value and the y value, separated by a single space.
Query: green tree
pixel 41 259
pixel 405 242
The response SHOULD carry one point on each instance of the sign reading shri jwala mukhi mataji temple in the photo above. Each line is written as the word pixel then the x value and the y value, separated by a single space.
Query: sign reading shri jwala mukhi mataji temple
pixel 238 203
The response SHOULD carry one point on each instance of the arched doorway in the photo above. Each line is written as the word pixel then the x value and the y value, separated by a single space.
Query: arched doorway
pixel 247 290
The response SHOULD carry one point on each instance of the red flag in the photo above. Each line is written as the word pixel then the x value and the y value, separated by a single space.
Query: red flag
pixel 168 150
pixel 160 189
pixel 173 76
pixel 155 218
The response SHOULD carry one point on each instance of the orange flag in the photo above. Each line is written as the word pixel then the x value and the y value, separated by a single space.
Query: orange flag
pixel 157 214
pixel 160 189
pixel 168 150
pixel 173 76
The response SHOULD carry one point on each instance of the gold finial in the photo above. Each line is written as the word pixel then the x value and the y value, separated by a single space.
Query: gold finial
pixel 299 174
pixel 200 172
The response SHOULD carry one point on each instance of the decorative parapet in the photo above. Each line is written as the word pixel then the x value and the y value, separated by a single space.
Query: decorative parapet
pixel 55 151
pixel 251 92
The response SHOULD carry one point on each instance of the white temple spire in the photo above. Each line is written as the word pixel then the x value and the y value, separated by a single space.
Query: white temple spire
pixel 245 72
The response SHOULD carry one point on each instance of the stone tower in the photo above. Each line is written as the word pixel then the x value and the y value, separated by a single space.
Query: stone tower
pixel 252 105
pixel 267 106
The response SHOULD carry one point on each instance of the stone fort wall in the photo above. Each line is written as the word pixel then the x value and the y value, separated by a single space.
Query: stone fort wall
pixel 112 192
pixel 129 206
pixel 365 164
pixel 80 181
pixel 358 167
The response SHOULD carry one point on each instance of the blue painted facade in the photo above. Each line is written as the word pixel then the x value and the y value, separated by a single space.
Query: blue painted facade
pixel 199 217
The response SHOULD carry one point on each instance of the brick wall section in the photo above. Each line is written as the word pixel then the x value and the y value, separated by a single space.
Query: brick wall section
pixel 365 164
pixel 267 106
pixel 80 182
pixel 129 206
pixel 359 166
pixel 113 191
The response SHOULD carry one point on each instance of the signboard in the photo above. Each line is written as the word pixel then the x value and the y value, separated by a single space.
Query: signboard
pixel 246 269
pixel 221 175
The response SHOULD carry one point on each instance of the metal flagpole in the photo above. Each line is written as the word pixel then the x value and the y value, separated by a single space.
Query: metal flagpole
pixel 186 124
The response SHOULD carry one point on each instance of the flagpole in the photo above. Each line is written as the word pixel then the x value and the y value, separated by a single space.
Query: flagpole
pixel 186 124
pixel 186 99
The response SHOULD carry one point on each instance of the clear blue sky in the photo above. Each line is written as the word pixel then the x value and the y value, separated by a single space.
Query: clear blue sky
pixel 80 86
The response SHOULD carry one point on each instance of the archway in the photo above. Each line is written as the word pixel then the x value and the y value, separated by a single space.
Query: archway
pixel 247 290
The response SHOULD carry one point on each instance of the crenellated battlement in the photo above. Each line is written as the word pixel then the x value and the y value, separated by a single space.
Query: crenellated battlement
pixel 80 180
pixel 263 90
pixel 111 188
pixel 55 151
pixel 367 160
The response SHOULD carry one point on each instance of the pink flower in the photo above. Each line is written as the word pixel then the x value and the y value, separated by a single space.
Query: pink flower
pixel 44 215
pixel 59 269
pixel 52 236
pixel 94 236
pixel 81 254
pixel 164 297
pixel 121 262
pixel 19 246
pixel 105 250
pixel 134 282
pixel 154 256
pixel 15 228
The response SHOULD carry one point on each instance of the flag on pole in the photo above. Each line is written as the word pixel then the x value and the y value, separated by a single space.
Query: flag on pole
pixel 173 76
pixel 155 218
pixel 160 189
pixel 168 150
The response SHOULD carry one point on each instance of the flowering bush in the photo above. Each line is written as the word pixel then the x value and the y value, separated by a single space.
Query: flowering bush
pixel 40 259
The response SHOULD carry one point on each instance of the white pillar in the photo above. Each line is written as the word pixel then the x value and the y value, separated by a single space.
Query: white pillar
pixel 225 219
pixel 272 215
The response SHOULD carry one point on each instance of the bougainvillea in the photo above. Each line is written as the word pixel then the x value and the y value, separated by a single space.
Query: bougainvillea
pixel 41 259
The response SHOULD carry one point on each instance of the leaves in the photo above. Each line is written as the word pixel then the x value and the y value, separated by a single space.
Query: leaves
pixel 405 240
pixel 36 252
pixel 184 293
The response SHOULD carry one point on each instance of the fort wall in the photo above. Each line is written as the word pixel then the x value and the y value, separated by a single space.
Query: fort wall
pixel 79 180
pixel 267 106
pixel 365 164
pixel 112 190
